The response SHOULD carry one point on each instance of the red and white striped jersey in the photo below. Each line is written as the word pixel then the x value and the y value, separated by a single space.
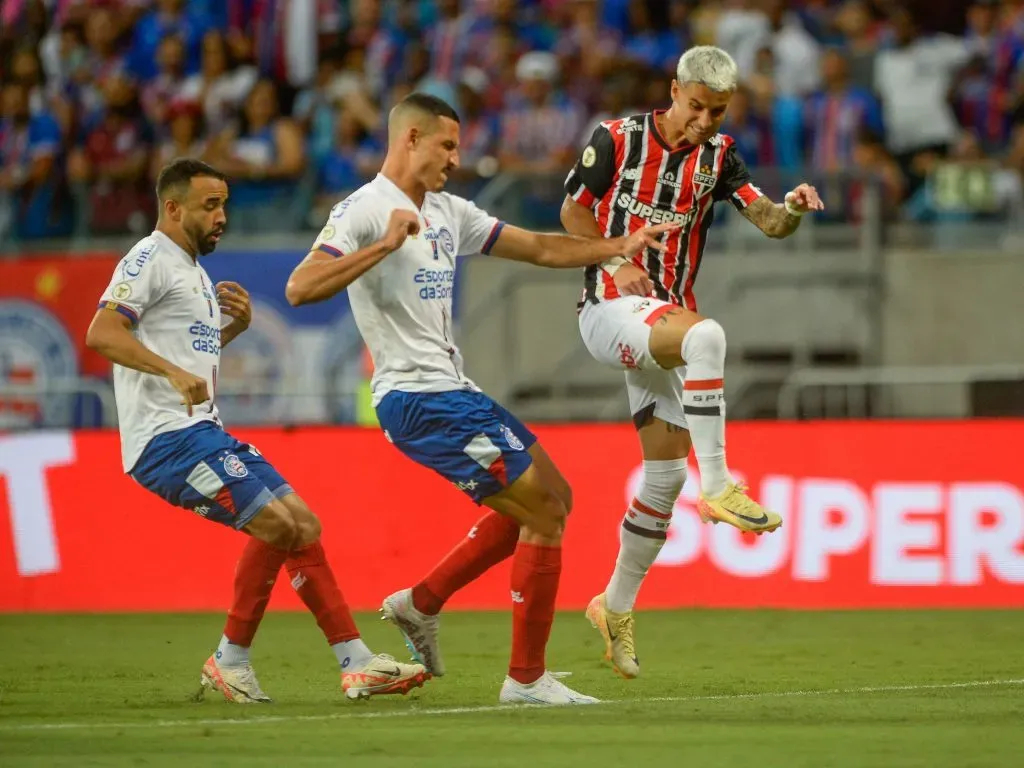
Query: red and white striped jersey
pixel 630 177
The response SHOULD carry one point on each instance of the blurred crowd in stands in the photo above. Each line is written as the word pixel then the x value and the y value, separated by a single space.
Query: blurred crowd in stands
pixel 290 97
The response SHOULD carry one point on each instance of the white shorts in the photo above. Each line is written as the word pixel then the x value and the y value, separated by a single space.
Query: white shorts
pixel 617 333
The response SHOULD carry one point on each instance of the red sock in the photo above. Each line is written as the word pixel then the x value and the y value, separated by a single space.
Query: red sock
pixel 535 572
pixel 313 579
pixel 255 575
pixel 490 541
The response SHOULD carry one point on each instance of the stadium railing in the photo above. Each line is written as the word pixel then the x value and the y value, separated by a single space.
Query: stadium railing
pixel 897 391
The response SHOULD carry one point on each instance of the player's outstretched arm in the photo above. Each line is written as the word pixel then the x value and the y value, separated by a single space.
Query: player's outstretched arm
pixel 778 220
pixel 562 251
pixel 322 275
pixel 629 279
pixel 110 334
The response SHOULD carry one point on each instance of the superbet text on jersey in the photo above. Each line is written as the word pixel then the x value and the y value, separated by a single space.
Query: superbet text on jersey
pixel 630 177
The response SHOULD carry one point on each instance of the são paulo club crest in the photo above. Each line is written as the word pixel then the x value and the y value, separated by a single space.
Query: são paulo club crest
pixel 35 353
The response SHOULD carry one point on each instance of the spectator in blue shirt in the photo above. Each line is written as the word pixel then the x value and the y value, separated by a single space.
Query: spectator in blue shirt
pixel 30 147
pixel 837 114
pixel 170 17
pixel 352 161
pixel 651 41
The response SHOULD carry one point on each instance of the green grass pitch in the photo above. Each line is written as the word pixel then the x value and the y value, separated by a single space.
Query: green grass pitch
pixel 719 688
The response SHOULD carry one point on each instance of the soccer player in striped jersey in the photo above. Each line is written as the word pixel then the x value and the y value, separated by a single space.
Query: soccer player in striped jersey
pixel 640 315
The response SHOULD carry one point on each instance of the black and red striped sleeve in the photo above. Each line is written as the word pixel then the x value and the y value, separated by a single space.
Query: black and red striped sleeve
pixel 594 172
pixel 734 182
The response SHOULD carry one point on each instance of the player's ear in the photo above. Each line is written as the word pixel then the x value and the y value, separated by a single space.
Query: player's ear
pixel 413 137
pixel 172 209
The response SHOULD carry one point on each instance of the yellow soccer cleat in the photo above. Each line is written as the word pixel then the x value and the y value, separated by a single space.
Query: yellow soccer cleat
pixel 382 675
pixel 738 510
pixel 617 631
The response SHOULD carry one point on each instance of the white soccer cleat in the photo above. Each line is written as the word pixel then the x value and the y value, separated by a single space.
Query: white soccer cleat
pixel 237 684
pixel 382 675
pixel 545 690
pixel 418 630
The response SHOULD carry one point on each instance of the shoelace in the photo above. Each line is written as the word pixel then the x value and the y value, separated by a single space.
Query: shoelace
pixel 743 502
pixel 624 631
pixel 247 677
pixel 421 639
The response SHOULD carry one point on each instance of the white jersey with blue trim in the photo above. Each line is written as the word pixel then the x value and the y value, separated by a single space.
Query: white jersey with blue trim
pixel 173 308
pixel 403 304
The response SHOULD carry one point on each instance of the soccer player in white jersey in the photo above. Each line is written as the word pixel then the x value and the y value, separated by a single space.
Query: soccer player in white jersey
pixel 159 321
pixel 393 243
pixel 640 314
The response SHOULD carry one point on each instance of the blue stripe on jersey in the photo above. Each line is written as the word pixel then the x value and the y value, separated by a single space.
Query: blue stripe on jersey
pixel 120 308
pixel 493 237
pixel 330 249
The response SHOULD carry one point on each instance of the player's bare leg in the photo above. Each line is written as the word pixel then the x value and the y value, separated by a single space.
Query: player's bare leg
pixel 681 337
pixel 642 535
pixel 285 532
pixel 540 502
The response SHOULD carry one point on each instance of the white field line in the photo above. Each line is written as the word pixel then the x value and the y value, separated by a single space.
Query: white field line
pixel 413 711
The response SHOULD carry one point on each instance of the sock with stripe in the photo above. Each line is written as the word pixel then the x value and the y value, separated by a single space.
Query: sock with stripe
pixel 644 530
pixel 489 542
pixel 313 579
pixel 255 576
pixel 703 350
pixel 535 572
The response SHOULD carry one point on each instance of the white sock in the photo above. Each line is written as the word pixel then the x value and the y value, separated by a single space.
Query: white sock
pixel 230 655
pixel 704 403
pixel 352 654
pixel 644 530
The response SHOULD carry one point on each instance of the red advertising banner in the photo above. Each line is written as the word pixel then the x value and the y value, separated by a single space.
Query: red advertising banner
pixel 876 515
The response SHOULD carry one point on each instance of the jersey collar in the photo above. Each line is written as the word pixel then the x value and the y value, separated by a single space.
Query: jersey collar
pixel 174 247
pixel 381 178
pixel 656 132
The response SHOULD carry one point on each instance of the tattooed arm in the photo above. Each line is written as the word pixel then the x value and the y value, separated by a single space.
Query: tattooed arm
pixel 777 220
pixel 771 218
pixel 780 220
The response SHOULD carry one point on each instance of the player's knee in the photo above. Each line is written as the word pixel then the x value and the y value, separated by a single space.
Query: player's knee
pixel 549 517
pixel 565 496
pixel 275 525
pixel 309 528
pixel 705 341
pixel 661 484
